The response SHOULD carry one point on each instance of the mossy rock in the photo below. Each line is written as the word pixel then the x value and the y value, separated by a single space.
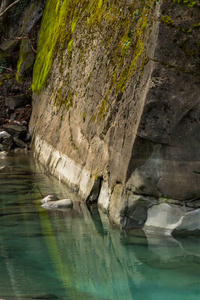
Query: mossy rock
pixel 26 59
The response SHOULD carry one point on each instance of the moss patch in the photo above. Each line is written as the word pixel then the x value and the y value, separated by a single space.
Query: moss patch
pixel 26 59
pixel 57 29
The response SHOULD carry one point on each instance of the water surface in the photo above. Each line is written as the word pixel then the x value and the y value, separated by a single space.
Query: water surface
pixel 76 254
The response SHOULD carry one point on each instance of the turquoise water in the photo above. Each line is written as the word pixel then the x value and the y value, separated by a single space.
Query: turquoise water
pixel 76 254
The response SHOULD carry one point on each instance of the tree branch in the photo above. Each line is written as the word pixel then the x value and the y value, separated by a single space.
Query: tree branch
pixel 11 5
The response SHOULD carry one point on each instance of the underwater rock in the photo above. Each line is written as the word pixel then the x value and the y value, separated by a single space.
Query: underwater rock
pixel 42 296
pixel 5 169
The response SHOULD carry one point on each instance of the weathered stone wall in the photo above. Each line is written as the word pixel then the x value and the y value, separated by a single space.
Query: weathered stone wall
pixel 116 102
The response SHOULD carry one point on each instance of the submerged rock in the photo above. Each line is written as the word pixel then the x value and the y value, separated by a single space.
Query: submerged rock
pixel 42 296
pixel 5 169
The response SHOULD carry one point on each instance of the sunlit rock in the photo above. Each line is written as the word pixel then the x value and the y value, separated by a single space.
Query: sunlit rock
pixel 49 198
pixel 170 219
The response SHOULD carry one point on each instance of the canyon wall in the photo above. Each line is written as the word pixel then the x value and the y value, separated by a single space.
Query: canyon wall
pixel 116 105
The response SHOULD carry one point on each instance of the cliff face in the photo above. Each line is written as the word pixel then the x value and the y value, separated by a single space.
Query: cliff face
pixel 116 103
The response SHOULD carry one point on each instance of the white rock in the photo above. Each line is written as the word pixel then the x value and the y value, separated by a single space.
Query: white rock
pixel 4 135
pixel 163 217
pixel 190 222
pixel 166 219
pixel 49 198
pixel 104 197
pixel 4 153
pixel 63 203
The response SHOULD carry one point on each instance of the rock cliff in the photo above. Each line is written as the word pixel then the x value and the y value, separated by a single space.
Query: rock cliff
pixel 116 105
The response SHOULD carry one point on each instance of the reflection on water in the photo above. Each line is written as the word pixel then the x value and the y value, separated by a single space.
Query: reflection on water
pixel 76 255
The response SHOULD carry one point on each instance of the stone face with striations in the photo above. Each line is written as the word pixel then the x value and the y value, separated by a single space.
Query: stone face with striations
pixel 117 113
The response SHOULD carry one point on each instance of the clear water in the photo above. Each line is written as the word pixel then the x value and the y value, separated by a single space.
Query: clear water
pixel 76 254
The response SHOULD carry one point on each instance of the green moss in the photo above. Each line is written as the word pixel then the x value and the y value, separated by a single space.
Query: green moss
pixel 84 116
pixel 57 29
pixel 187 3
pixel 48 39
pixel 96 9
pixel 25 61
pixel 74 22
pixel 70 47
pixel 20 61
pixel 121 84
pixel 137 48
pixel 8 77
pixel 82 55
pixel 167 20
pixel 67 101
pixel 102 109
pixel 188 51
pixel 195 26
pixel 129 50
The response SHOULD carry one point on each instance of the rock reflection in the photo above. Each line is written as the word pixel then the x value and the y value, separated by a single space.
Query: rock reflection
pixel 106 264
pixel 76 254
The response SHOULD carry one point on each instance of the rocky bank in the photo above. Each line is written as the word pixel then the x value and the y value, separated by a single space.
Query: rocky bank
pixel 116 111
